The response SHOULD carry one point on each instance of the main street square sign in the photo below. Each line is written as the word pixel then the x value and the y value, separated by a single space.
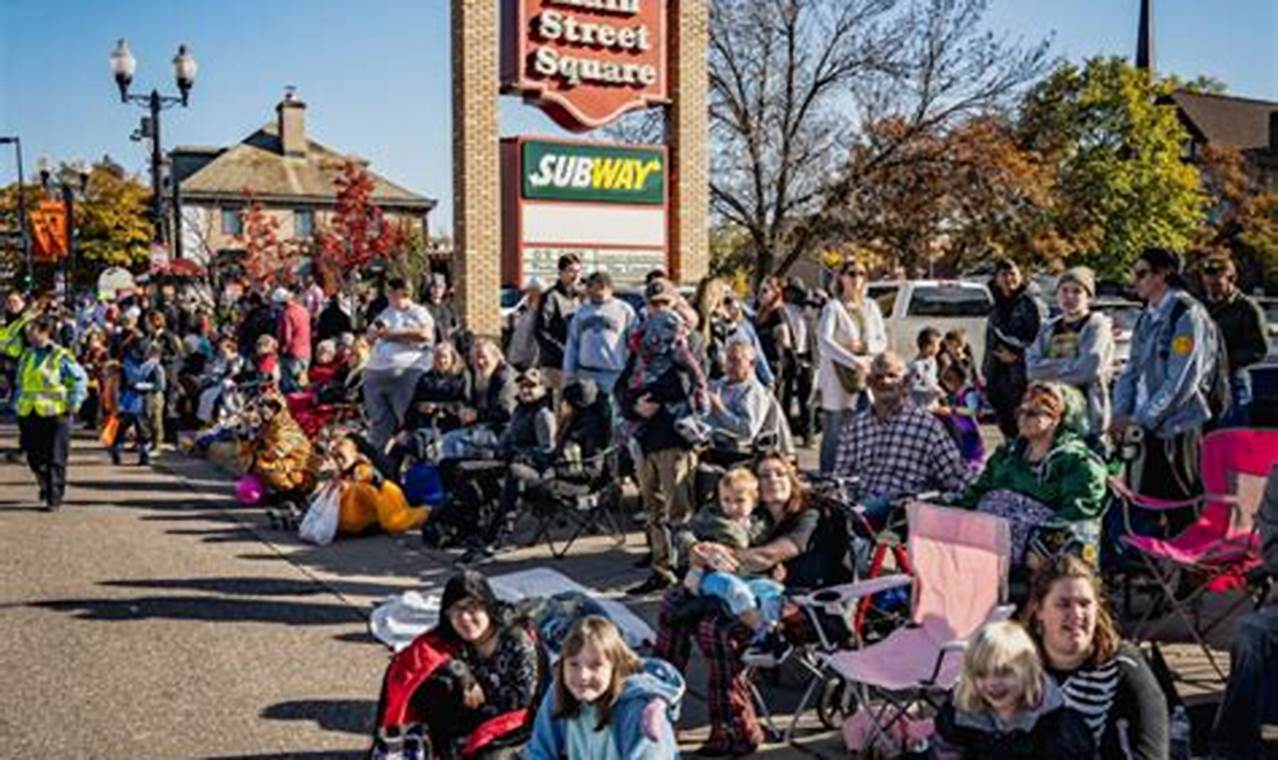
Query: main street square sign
pixel 585 62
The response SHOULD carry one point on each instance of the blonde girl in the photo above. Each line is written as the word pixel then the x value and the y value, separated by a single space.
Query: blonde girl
pixel 1005 706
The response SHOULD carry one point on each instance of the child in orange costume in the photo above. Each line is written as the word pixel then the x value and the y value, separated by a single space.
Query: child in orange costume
pixel 368 499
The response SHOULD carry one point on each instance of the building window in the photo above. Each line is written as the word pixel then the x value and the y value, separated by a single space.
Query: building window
pixel 232 222
pixel 303 222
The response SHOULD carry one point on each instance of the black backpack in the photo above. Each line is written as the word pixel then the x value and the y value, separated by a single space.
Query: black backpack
pixel 1217 387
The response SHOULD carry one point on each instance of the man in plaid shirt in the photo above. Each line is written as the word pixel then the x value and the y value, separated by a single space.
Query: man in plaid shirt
pixel 895 448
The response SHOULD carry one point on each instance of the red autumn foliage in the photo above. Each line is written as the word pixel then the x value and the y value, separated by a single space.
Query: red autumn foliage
pixel 269 260
pixel 358 234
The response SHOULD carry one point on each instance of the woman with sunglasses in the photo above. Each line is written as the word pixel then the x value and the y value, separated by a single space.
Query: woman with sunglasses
pixel 1164 389
pixel 850 332
pixel 1046 481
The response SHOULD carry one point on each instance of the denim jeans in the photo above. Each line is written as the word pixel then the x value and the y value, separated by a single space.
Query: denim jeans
pixel 1239 412
pixel 1251 696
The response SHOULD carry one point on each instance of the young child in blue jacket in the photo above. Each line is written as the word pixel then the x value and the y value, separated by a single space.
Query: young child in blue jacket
pixel 607 703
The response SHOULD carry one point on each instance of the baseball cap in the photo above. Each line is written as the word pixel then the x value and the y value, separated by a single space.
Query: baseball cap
pixel 660 290
pixel 1217 263
pixel 599 277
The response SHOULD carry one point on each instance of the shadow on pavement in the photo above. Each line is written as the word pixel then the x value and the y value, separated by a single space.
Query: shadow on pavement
pixel 250 586
pixel 350 716
pixel 208 608
pixel 319 755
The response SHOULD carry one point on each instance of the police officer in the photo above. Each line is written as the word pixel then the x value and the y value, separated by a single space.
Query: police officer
pixel 12 341
pixel 1243 326
pixel 51 387
pixel 1163 389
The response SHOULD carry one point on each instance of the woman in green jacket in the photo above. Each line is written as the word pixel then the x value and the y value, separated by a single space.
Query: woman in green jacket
pixel 1046 481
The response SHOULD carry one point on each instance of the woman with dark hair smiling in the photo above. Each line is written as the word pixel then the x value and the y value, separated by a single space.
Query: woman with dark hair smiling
pixel 478 672
pixel 786 526
pixel 1103 677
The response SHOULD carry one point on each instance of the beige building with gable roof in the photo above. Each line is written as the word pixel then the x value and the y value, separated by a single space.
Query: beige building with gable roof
pixel 291 175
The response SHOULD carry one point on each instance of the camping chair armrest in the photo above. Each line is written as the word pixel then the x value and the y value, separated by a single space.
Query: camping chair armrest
pixel 1149 502
pixel 1001 613
pixel 847 592
pixel 956 646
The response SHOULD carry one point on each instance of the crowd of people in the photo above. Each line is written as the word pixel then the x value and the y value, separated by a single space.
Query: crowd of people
pixel 372 392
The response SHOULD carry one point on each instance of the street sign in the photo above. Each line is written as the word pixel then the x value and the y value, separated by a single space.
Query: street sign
pixel 585 62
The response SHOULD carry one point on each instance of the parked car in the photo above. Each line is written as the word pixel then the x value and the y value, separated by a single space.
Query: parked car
pixel 1123 313
pixel 1264 376
pixel 910 305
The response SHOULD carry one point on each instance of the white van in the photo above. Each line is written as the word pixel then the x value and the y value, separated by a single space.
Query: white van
pixel 910 305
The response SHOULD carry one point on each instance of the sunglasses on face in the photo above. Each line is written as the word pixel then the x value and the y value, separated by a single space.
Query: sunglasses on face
pixel 1031 412
pixel 1140 273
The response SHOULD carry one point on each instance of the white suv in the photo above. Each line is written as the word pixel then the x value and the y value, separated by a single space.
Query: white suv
pixel 910 305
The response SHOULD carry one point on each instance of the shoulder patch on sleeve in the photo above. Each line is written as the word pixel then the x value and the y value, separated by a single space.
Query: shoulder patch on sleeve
pixel 1182 345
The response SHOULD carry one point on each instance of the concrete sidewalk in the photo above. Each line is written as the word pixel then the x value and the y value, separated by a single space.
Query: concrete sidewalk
pixel 153 617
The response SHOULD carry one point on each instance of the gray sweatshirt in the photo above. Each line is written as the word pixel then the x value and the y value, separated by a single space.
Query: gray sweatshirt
pixel 597 337
pixel 1085 361
pixel 745 410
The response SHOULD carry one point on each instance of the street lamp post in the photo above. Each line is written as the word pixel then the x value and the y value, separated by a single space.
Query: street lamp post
pixel 123 65
pixel 22 209
pixel 68 192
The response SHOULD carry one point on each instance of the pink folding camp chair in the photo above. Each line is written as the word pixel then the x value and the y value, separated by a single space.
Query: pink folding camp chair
pixel 1217 550
pixel 960 562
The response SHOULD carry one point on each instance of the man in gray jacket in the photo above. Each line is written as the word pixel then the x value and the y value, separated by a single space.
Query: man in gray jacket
pixel 1077 347
pixel 1163 389
pixel 596 343
pixel 739 403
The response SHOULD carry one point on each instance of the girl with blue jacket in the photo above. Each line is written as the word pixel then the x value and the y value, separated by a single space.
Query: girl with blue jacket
pixel 607 704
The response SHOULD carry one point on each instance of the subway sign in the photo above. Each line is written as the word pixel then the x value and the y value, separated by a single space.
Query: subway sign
pixel 593 173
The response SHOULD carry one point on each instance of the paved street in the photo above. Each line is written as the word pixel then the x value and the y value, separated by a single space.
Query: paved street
pixel 162 621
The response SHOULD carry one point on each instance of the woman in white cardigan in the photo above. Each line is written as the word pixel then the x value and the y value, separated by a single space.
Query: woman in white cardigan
pixel 851 332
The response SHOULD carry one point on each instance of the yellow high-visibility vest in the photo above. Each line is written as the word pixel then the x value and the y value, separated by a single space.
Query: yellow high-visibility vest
pixel 41 389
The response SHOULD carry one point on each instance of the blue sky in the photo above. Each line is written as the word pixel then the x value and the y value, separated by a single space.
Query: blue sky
pixel 376 76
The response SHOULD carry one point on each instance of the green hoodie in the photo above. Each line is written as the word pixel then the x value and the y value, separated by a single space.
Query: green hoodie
pixel 1071 479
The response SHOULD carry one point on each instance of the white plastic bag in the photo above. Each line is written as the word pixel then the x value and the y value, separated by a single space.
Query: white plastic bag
pixel 319 525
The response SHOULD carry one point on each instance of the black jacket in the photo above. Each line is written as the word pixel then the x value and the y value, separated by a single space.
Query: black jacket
pixel 497 402
pixel 332 322
pixel 557 308
pixel 1013 324
pixel 1242 323
pixel 1052 730
pixel 447 392
pixel 445 316
pixel 677 387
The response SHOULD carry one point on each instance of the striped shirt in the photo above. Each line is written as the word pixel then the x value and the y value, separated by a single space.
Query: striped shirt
pixel 1122 704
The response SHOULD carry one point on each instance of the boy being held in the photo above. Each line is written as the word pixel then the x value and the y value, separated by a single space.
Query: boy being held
pixel 923 371
pixel 756 601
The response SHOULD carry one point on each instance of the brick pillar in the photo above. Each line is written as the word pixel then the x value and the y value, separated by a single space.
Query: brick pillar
pixel 476 172
pixel 688 131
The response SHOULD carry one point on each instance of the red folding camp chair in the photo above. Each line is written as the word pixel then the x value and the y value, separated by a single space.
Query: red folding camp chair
pixel 1217 550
